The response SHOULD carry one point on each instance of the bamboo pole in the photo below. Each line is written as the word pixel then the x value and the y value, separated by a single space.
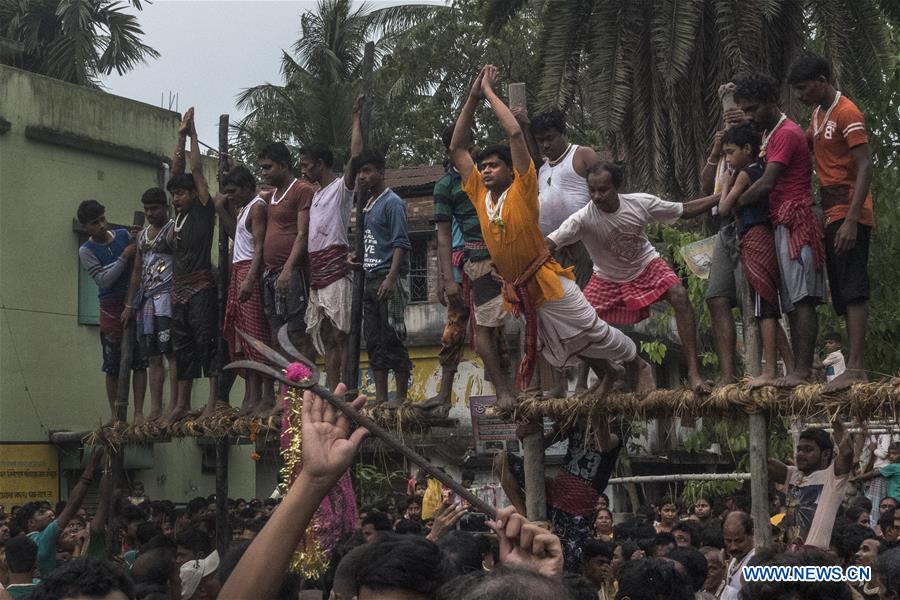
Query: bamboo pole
pixel 226 378
pixel 680 477
pixel 533 444
pixel 351 370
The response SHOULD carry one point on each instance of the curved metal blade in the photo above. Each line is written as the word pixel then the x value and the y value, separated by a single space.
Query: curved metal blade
pixel 285 341
pixel 270 371
pixel 263 349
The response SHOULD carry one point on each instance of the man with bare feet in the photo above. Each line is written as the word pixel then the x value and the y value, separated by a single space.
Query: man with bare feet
pixel 151 288
pixel 504 191
pixel 386 265
pixel 242 214
pixel 629 274
pixel 330 294
pixel 194 308
pixel 286 276
pixel 798 232
pixel 844 167
pixel 479 297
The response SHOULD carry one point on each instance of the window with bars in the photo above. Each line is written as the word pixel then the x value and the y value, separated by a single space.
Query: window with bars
pixel 418 270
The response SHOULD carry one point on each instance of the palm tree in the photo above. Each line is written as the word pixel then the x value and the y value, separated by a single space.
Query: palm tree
pixel 646 71
pixel 321 77
pixel 72 40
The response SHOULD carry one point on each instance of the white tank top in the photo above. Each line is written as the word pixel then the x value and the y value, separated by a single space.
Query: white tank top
pixel 562 191
pixel 243 237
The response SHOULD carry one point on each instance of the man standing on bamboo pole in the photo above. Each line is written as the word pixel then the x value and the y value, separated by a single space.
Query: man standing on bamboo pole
pixel 798 231
pixel 504 192
pixel 331 287
pixel 840 145
pixel 478 297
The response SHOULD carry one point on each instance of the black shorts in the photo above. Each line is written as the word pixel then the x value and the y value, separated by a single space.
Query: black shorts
pixel 290 308
pixel 848 273
pixel 112 355
pixel 194 340
pixel 763 309
pixel 384 329
pixel 160 341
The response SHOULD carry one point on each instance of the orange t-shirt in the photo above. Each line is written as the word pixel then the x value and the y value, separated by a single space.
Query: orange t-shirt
pixel 844 130
pixel 519 241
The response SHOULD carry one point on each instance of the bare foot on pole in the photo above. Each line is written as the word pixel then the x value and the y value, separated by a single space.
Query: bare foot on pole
pixel 759 381
pixel 845 380
pixel 178 413
pixel 697 384
pixel 644 382
pixel 139 419
pixel 792 380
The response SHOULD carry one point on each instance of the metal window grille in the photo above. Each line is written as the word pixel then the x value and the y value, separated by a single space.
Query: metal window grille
pixel 418 271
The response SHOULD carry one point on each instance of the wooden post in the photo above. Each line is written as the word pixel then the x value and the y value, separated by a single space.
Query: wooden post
pixel 759 436
pixel 351 370
pixel 533 444
pixel 226 377
pixel 117 460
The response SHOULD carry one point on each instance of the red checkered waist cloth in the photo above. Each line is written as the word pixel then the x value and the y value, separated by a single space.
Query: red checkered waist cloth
pixel 804 227
pixel 516 295
pixel 629 302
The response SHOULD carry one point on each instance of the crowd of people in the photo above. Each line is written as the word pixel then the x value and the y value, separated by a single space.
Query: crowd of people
pixel 537 228
pixel 429 545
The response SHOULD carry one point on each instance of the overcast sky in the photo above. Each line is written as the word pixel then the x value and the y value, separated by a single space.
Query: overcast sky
pixel 210 50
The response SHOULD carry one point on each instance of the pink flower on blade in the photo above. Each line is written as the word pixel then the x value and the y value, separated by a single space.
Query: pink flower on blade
pixel 298 372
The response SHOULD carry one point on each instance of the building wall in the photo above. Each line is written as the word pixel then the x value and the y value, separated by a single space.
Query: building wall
pixel 61 144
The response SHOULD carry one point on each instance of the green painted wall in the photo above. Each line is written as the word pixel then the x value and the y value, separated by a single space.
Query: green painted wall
pixel 50 375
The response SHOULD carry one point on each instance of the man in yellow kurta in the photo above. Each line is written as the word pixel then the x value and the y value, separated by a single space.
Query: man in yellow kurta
pixel 503 188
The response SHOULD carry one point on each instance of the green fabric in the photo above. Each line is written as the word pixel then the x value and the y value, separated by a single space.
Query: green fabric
pixel 451 202
pixel 891 473
pixel 46 543
pixel 20 591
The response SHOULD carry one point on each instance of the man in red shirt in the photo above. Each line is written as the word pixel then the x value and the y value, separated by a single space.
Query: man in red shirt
pixel 837 136
pixel 798 231
pixel 286 276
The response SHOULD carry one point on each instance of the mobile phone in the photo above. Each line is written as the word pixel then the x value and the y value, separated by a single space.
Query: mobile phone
pixel 138 218
pixel 474 522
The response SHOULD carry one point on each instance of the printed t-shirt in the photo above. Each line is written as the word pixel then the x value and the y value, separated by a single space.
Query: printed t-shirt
pixel 788 146
pixel 193 238
pixel 384 229
pixel 329 216
pixel 811 504
pixel 616 241
pixel 835 166
pixel 105 265
pixel 516 242
pixel 834 365
pixel 281 222
pixel 891 474
pixel 758 212
pixel 452 203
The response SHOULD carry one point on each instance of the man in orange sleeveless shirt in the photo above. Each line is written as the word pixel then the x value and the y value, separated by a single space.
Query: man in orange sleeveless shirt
pixel 837 137
pixel 505 195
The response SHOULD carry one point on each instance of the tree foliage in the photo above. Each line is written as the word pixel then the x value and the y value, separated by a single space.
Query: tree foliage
pixel 72 40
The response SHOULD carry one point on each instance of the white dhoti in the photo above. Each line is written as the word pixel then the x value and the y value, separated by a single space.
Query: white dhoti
pixel 569 328
pixel 333 303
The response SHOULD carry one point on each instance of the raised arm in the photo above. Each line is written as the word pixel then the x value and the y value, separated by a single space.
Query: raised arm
pixel 98 523
pixel 517 145
pixel 80 489
pixel 356 142
pixel 843 461
pixel 521 115
pixel 327 453
pixel 711 168
pixel 460 142
pixel 183 129
pixel 762 186
pixel 777 471
pixel 200 182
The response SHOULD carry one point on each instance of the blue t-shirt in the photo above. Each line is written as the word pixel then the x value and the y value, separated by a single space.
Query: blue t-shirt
pixel 46 547
pixel 758 212
pixel 100 258
pixel 385 229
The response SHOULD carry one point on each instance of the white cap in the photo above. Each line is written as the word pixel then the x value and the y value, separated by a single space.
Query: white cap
pixel 192 572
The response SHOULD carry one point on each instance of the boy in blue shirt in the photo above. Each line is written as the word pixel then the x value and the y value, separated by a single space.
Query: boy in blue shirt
pixel 106 256
pixel 386 265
